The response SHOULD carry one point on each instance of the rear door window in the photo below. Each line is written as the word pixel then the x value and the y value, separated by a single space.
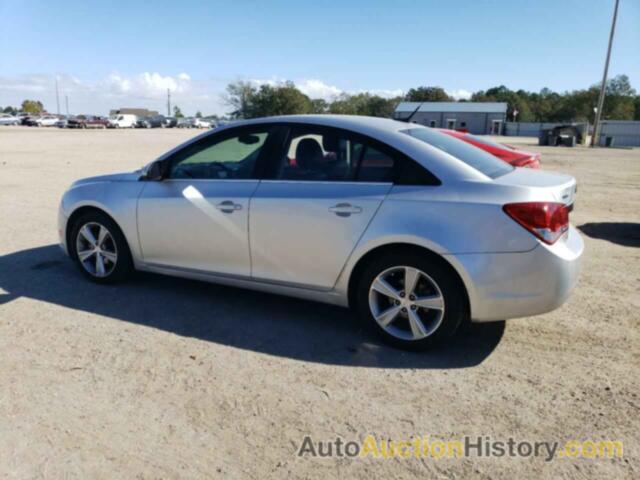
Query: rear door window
pixel 318 153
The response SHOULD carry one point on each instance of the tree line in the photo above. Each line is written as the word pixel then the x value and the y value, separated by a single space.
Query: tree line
pixel 247 100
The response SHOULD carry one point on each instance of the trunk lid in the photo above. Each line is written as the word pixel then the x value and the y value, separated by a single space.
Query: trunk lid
pixel 563 187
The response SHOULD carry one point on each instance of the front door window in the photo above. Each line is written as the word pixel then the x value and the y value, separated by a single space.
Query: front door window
pixel 230 158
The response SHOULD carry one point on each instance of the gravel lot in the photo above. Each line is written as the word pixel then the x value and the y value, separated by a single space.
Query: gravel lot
pixel 168 378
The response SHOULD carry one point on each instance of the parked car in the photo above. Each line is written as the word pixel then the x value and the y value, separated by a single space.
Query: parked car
pixel 7 119
pixel 31 120
pixel 124 120
pixel 87 121
pixel 25 118
pixel 63 121
pixel 511 155
pixel 46 121
pixel 187 122
pixel 413 229
pixel 202 123
pixel 170 122
pixel 155 121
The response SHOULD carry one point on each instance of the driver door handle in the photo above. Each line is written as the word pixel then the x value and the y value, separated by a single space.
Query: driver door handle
pixel 228 206
pixel 345 209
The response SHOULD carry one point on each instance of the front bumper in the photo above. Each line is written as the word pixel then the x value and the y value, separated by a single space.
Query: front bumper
pixel 511 285
pixel 62 228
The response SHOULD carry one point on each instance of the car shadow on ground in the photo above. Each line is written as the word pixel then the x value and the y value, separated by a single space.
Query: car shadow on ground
pixel 236 317
pixel 626 234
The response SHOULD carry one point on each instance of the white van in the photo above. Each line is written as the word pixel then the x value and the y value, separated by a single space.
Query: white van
pixel 124 120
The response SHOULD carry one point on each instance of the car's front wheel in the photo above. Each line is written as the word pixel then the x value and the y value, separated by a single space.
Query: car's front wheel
pixel 411 300
pixel 99 248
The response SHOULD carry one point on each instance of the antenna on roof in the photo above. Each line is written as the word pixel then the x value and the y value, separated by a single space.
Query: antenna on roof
pixel 408 119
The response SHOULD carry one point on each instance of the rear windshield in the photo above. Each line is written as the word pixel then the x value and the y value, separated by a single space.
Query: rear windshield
pixel 473 156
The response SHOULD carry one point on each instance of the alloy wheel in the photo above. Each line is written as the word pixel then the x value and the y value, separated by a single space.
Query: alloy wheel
pixel 96 249
pixel 406 303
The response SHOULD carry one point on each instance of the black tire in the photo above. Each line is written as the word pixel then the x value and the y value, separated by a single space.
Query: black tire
pixel 124 262
pixel 453 292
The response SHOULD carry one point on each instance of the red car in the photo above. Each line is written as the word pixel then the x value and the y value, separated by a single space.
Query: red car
pixel 511 155
pixel 87 121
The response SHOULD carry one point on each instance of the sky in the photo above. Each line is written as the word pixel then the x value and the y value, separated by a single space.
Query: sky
pixel 120 53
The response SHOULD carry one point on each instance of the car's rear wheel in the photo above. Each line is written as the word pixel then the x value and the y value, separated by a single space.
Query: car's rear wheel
pixel 410 300
pixel 99 248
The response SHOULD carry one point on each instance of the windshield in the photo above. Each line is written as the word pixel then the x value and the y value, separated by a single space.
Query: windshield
pixel 482 161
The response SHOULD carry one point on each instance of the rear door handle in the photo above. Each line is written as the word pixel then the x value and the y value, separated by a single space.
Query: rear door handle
pixel 228 206
pixel 345 209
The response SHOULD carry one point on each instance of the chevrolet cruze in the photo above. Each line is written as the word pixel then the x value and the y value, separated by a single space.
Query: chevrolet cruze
pixel 413 229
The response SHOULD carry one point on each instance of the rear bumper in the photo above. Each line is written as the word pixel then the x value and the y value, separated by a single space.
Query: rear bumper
pixel 511 285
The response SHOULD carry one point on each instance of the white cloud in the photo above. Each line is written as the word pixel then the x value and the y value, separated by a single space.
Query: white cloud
pixel 151 85
pixel 315 88
pixel 459 94
pixel 384 93
pixel 146 90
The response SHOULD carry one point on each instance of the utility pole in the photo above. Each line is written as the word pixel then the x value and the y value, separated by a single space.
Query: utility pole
pixel 66 101
pixel 603 87
pixel 168 102
pixel 57 97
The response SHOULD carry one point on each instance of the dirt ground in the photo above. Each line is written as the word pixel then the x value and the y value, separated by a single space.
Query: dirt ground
pixel 168 378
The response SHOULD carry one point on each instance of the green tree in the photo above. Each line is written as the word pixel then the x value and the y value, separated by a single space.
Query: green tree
pixel 239 97
pixel 319 105
pixel 364 104
pixel 284 99
pixel 32 106
pixel 177 113
pixel 427 94
pixel 198 114
pixel 10 110
pixel 619 102
pixel 519 101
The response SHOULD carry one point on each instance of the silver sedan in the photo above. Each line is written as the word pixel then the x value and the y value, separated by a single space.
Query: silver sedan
pixel 413 229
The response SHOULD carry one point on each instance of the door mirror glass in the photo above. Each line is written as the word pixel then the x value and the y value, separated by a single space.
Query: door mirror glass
pixel 249 139
pixel 153 172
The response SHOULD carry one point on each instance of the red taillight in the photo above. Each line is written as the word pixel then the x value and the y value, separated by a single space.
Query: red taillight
pixel 546 220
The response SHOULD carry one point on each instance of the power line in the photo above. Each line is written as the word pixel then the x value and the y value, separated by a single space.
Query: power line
pixel 57 97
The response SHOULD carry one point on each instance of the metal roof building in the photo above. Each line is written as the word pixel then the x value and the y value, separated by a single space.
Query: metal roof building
pixel 476 117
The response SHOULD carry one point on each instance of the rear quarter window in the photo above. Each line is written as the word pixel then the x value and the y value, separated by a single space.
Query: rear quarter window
pixel 475 157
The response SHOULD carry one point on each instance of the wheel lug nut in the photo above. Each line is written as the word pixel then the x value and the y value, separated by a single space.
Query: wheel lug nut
pixel 402 295
pixel 404 310
pixel 397 302
pixel 412 297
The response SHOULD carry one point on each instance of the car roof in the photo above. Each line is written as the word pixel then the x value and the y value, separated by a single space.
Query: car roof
pixel 350 122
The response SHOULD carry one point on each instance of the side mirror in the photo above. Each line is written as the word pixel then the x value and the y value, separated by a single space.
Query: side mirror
pixel 153 172
pixel 249 139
